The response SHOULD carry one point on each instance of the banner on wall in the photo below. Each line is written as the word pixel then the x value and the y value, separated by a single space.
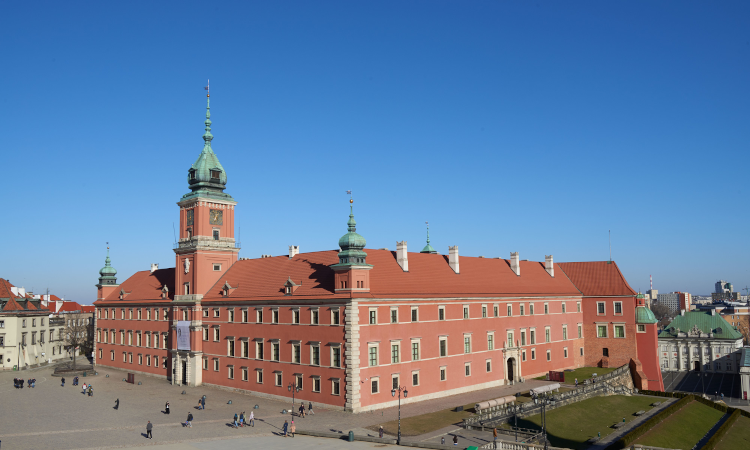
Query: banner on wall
pixel 183 335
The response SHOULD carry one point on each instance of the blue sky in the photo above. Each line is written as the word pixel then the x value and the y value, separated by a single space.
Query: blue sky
pixel 510 126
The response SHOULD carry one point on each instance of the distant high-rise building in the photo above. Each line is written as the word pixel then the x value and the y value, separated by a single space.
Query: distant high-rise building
pixel 723 287
pixel 724 292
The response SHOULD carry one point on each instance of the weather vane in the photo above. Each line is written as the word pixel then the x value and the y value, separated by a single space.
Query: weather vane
pixel 208 93
pixel 107 245
pixel 351 198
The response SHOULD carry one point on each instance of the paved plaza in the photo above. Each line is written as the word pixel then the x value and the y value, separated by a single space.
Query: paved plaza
pixel 52 416
pixel 712 384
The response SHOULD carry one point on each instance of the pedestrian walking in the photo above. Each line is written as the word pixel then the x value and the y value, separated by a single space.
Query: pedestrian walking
pixel 84 388
pixel 22 381
pixel 33 383
pixel 117 404
pixel 166 408
pixel 442 440
pixel 455 439
pixel 189 421
pixel 235 420
pixel 242 419
pixel 203 402
pixel 309 409
pixel 91 391
pixel 252 418
pixel 149 426
pixel 63 382
pixel 286 426
pixel 15 383
pixel 302 410
pixel 380 432
pixel 75 381
pixel 293 428
pixel 576 382
pixel 494 436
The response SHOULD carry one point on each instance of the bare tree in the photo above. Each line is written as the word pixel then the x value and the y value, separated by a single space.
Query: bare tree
pixel 78 333
pixel 743 328
pixel 663 314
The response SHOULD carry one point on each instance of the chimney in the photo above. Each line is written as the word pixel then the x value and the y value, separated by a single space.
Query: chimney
pixel 401 258
pixel 22 292
pixel 682 312
pixel 453 257
pixel 515 264
pixel 293 250
pixel 154 267
pixel 549 266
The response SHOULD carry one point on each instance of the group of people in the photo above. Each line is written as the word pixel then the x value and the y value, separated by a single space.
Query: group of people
pixel 18 382
pixel 242 420
pixel 87 388
pixel 289 430
pixel 302 409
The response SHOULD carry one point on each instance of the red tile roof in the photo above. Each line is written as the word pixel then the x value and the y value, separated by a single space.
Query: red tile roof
pixel 145 285
pixel 597 278
pixel 12 305
pixel 5 291
pixel 69 306
pixel 88 308
pixel 429 276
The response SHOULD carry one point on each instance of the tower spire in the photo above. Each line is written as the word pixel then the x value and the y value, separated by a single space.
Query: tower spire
pixel 207 136
pixel 428 248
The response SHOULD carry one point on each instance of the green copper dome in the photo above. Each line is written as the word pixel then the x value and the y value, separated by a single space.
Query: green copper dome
pixel 207 176
pixel 107 273
pixel 428 248
pixel 352 244
pixel 644 315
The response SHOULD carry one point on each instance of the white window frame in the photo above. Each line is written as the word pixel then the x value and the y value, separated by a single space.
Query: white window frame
pixel 394 317
pixel 467 369
pixel 443 374
pixel 614 330
pixel 376 346
pixel 447 352
pixel 604 308
pixel 488 365
pixel 414 314
pixel 372 316
pixel 377 381
pixel 614 309
pixel 441 312
pixel 641 328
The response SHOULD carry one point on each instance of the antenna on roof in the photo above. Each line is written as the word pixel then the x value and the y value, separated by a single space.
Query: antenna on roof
pixel 174 233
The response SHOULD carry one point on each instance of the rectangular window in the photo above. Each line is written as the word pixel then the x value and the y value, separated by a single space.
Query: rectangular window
pixel 533 354
pixel 600 308
pixel 441 312
pixel 140 359
pixel 496 310
pixel 216 334
pixel 601 331
pixel 523 355
pixel 274 316
pixel 275 351
pixel 532 337
pixel 148 314
pixel 415 379
pixel 373 317
pixel 374 388
pixel 510 339
pixel 490 341
pixel 510 310
pixel 139 313
pixel 278 378
pixel 618 308
pixel 488 363
pixel 296 353
pixel 395 382
pixel 244 374
pixel 620 331
pixel 414 315
pixel 335 387
pixel 111 353
pixel 245 348
pixel 563 308
pixel 580 331
pixel 298 380
pixel 642 329
pixel 336 356
pixel 565 352
pixel 259 376
pixel 467 369
pixel 467 344
pixel 259 350
pixel 315 355
pixel 394 354
pixel 484 311
pixel 316 384
pixel 565 333
pixel 523 338
pixel 546 308
pixel 443 346
pixel 295 316
pixel 334 316
pixel 443 373
pixel 415 351
pixel 521 309
pixel 549 355
pixel 259 316
pixel 394 315
pixel 148 360
pixel 466 312
pixel 581 351
pixel 216 364
pixel 244 316
pixel 231 315
pixel 373 356
pixel 314 316
pixel 531 309
pixel 578 305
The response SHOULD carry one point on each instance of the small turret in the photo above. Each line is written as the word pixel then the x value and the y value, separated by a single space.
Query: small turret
pixel 352 270
pixel 107 279
pixel 428 248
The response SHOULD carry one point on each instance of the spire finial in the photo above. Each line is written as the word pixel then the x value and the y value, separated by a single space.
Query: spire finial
pixel 428 231
pixel 207 136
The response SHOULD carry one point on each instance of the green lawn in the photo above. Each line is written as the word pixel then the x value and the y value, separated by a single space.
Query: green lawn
pixel 738 436
pixel 684 428
pixel 583 373
pixel 425 423
pixel 571 426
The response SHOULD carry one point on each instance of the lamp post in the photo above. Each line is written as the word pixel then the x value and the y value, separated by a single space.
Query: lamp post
pixel 515 418
pixel 292 388
pixel 393 394
pixel 545 399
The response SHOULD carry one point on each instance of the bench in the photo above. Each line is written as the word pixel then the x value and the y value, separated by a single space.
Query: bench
pixel 593 440
pixel 656 404
pixel 619 424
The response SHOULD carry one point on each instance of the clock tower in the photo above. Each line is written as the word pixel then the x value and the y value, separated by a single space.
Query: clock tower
pixel 206 248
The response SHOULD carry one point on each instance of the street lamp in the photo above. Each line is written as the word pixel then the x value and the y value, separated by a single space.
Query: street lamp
pixel 393 394
pixel 545 399
pixel 292 388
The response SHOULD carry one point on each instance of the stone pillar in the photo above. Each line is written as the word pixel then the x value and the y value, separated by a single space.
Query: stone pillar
pixel 352 356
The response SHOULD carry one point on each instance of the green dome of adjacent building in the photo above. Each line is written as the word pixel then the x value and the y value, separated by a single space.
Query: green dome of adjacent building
pixel 107 274
pixel 352 244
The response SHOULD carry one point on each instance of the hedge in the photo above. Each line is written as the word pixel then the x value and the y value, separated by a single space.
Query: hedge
pixel 723 408
pixel 723 429
pixel 640 430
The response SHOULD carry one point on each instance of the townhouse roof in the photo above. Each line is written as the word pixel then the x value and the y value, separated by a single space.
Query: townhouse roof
pixel 597 278
pixel 144 285
pixel 429 276
pixel 11 302
pixel 703 321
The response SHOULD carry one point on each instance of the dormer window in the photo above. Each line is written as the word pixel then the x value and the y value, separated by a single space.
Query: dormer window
pixel 290 286
pixel 215 174
pixel 288 289
pixel 192 174
pixel 164 292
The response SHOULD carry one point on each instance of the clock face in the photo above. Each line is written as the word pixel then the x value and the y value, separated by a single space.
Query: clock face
pixel 190 217
pixel 216 217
